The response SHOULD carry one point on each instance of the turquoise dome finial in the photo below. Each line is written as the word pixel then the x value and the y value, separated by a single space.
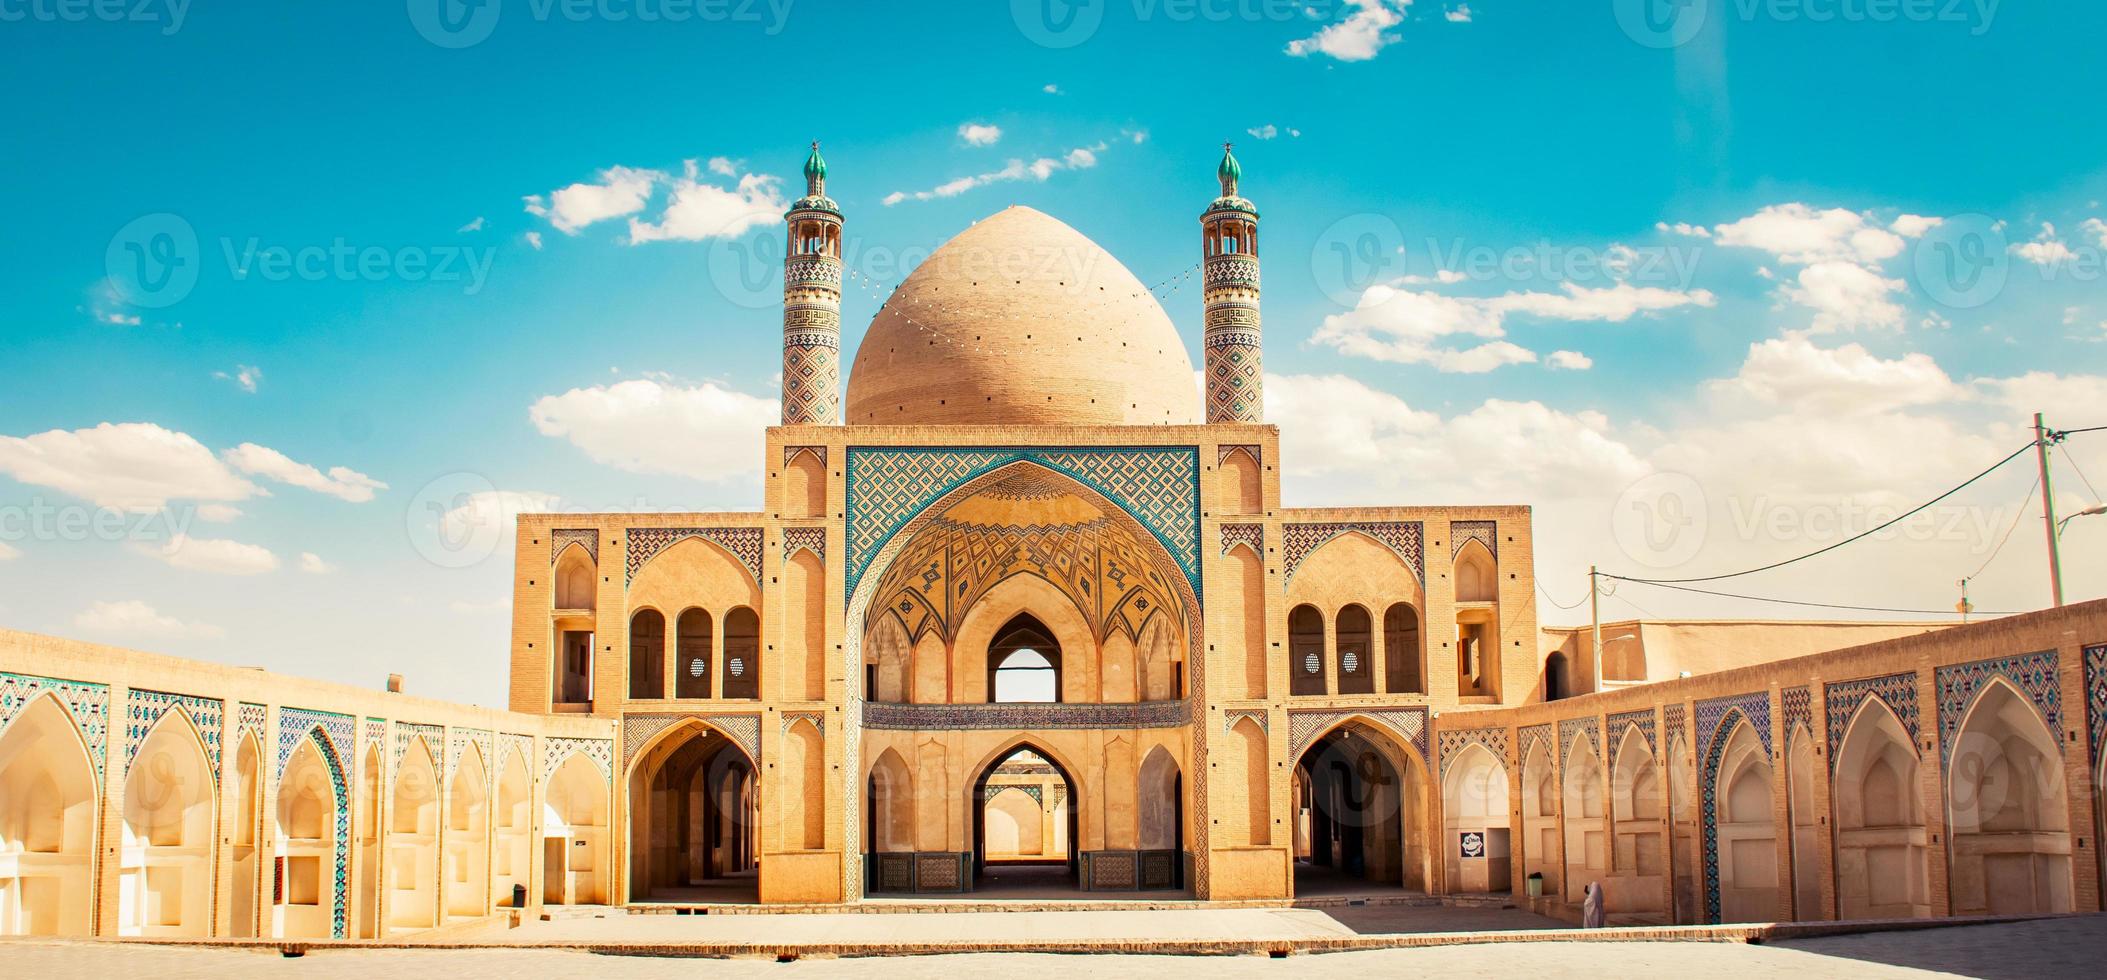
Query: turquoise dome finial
pixel 815 165
pixel 1230 171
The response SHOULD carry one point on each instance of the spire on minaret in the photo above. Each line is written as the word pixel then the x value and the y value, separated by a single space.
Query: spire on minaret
pixel 1229 285
pixel 812 303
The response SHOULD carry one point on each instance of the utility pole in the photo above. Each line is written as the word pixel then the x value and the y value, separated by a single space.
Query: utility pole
pixel 2048 509
pixel 1595 614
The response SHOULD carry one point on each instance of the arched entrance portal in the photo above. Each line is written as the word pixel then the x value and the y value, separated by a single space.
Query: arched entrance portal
pixel 694 812
pixel 1357 800
pixel 1024 825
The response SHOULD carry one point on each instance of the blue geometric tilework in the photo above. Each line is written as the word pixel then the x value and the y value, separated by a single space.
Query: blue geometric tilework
pixel 1797 703
pixel 1569 727
pixel 1897 691
pixel 1452 742
pixel 253 718
pixel 143 710
pixel 89 704
pixel 1715 718
pixel 2034 674
pixel 485 743
pixel 1644 719
pixel 1158 487
pixel 2096 697
pixel 434 742
pixel 1672 719
pixel 332 735
pixel 376 732
pixel 1533 734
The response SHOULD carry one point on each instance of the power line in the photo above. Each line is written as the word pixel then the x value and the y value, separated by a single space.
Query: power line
pixel 2065 450
pixel 1547 597
pixel 1818 605
pixel 2017 514
pixel 1856 537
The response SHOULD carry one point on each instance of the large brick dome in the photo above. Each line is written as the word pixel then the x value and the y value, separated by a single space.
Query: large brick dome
pixel 1020 320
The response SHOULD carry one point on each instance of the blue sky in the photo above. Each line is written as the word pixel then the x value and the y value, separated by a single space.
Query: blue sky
pixel 1514 253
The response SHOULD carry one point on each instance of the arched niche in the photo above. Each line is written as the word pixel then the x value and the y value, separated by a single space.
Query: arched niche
pixel 1585 806
pixel 577 580
pixel 48 804
pixel 1475 813
pixel 413 840
pixel 892 805
pixel 511 853
pixel 1305 651
pixel 165 864
pixel 1803 768
pixel 2006 805
pixel 304 901
pixel 1881 857
pixel 1242 485
pixel 1746 832
pixel 1540 800
pixel 467 879
pixel 804 640
pixel 244 837
pixel 574 834
pixel 805 485
pixel 1638 806
pixel 647 654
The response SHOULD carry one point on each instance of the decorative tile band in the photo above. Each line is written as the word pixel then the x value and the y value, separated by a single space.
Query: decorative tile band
pixel 599 750
pixel 434 742
pixel 2096 697
pixel 1843 699
pixel 1405 538
pixel 644 544
pixel 564 538
pixel 791 453
pixel 1257 715
pixel 639 729
pixel 812 539
pixel 2034 674
pixel 1454 741
pixel 1622 721
pixel 1532 735
pixel 1486 533
pixel 89 704
pixel 145 709
pixel 332 736
pixel 887 716
pixel 1797 705
pixel 1408 725
pixel 1586 726
pixel 1222 453
pixel 1714 718
pixel 1252 536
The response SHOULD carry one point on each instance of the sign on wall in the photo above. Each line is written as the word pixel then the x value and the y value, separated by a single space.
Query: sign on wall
pixel 1473 843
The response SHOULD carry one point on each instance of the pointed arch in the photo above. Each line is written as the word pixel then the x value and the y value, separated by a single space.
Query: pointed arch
pixel 647 654
pixel 1802 770
pixel 1475 814
pixel 1241 486
pixel 1742 827
pixel 245 835
pixel 2007 808
pixel 1540 802
pixel 804 637
pixel 1637 808
pixel 889 661
pixel 1159 796
pixel 1246 664
pixel 313 820
pixel 1477 573
pixel 577 579
pixel 892 804
pixel 49 808
pixel 805 764
pixel 467 872
pixel 1374 793
pixel 1584 805
pixel 574 833
pixel 413 839
pixel 165 865
pixel 366 830
pixel 805 483
pixel 1683 829
pixel 1881 857
pixel 511 855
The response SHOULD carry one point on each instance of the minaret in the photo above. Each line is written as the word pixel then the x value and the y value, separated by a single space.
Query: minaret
pixel 1229 277
pixel 812 303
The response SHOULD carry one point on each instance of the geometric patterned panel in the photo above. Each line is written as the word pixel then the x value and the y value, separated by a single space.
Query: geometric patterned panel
pixel 1714 719
pixel 1672 717
pixel 1797 703
pixel 2096 697
pixel 812 539
pixel 89 703
pixel 637 729
pixel 1158 487
pixel 519 745
pixel 253 718
pixel 646 542
pixel 1454 741
pixel 1569 727
pixel 1486 533
pixel 1252 536
pixel 485 742
pixel 143 709
pixel 2034 674
pixel 600 750
pixel 1897 691
pixel 1533 734
pixel 585 537
pixel 1405 538
pixel 1644 719
pixel 434 742
pixel 1408 725
pixel 332 735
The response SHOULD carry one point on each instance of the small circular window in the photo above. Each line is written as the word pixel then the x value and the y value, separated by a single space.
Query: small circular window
pixel 697 666
pixel 1351 661
pixel 1311 664
pixel 737 666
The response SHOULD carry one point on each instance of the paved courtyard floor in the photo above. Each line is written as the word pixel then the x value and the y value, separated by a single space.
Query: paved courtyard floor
pixel 2070 947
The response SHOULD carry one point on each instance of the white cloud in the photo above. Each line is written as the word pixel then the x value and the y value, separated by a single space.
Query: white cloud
pixel 1051 89
pixel 1569 360
pixel 1846 296
pixel 1914 225
pixel 218 513
pixel 1682 228
pixel 131 617
pixel 244 376
pixel 1363 34
pixel 133 466
pixel 533 239
pixel 1265 132
pixel 980 134
pixel 1460 15
pixel 706 431
pixel 1017 169
pixel 473 226
pixel 341 482
pixel 1792 372
pixel 313 564
pixel 9 552
pixel 701 210
pixel 724 166
pixel 619 191
pixel 2097 229
pixel 218 556
pixel 1800 235
pixel 1407 327
pixel 2045 249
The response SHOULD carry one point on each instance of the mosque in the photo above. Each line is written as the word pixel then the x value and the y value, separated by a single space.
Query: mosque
pixel 1024 614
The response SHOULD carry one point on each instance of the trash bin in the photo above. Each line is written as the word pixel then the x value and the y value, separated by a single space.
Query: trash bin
pixel 519 896
pixel 1536 884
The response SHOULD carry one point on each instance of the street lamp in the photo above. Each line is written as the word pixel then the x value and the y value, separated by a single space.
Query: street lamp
pixel 2092 511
